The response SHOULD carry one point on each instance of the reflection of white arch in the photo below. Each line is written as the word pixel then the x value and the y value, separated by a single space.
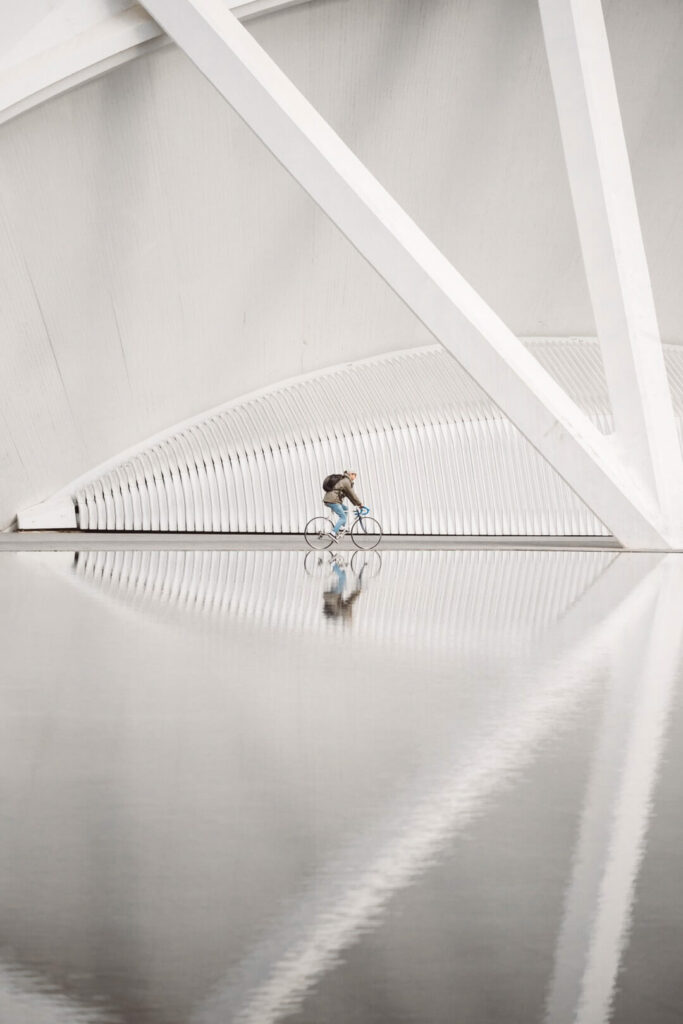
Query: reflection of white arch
pixel 422 823
pixel 586 625
pixel 26 998
pixel 431 601
pixel 77 40
pixel 436 455
pixel 273 982
pixel 618 805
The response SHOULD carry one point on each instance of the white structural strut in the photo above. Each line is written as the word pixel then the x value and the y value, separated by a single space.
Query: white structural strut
pixel 393 244
pixel 76 40
pixel 612 245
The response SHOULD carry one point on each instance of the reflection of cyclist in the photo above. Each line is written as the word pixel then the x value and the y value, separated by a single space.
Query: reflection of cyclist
pixel 342 488
pixel 335 605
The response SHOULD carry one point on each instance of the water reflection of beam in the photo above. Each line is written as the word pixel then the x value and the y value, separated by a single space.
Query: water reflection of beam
pixel 274 979
pixel 27 999
pixel 618 804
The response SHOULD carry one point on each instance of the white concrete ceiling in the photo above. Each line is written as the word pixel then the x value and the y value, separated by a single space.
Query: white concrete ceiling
pixel 156 261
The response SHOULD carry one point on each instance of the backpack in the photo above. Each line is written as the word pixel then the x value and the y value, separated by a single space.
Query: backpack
pixel 331 481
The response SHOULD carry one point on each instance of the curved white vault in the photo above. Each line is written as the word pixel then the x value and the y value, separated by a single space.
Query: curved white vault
pixel 434 456
pixel 68 42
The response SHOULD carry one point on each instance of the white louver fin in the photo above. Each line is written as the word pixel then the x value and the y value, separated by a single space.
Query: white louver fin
pixel 434 456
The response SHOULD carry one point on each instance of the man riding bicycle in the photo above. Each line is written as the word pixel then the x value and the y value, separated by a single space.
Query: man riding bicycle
pixel 342 487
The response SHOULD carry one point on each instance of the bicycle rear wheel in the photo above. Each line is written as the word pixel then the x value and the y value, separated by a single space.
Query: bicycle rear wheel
pixel 366 533
pixel 318 533
pixel 317 564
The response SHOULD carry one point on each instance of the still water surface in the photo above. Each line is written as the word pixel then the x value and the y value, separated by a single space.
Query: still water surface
pixel 423 787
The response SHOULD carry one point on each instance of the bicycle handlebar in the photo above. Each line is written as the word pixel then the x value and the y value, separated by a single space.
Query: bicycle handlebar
pixel 362 511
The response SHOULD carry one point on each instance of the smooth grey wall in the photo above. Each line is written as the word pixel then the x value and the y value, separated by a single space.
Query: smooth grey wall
pixel 155 260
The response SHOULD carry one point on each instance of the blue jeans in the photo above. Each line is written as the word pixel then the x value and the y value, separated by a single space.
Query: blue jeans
pixel 340 581
pixel 340 511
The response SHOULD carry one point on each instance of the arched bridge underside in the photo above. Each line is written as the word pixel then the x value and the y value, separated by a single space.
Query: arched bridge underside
pixel 433 453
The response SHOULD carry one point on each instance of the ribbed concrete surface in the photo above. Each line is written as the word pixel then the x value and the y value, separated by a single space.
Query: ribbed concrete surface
pixel 424 592
pixel 435 456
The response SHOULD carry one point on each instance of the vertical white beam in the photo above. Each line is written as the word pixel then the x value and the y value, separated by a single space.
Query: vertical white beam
pixel 302 141
pixel 612 245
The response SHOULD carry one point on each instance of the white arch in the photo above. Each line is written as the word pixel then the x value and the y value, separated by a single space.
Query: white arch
pixel 77 40
pixel 412 420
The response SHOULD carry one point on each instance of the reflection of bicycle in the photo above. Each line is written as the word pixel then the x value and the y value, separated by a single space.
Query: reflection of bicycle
pixel 319 563
pixel 366 533
pixel 365 564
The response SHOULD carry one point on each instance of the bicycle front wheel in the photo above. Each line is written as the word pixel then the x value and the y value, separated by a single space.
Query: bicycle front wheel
pixel 318 533
pixel 366 533
pixel 365 563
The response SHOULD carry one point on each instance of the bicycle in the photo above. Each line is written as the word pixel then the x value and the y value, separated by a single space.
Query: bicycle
pixel 366 532
pixel 319 563
pixel 362 563
pixel 365 564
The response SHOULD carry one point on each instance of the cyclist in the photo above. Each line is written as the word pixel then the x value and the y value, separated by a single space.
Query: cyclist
pixel 334 499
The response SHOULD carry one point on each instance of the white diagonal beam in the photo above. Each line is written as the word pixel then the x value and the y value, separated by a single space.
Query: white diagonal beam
pixel 306 145
pixel 612 245
pixel 76 40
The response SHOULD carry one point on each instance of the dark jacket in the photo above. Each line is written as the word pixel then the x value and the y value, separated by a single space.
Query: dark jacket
pixel 337 607
pixel 342 490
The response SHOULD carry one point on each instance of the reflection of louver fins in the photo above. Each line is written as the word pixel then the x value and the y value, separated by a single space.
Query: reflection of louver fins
pixel 438 601
pixel 435 456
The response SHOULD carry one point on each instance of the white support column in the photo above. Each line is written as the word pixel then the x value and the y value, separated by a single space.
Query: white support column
pixel 612 245
pixel 302 141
